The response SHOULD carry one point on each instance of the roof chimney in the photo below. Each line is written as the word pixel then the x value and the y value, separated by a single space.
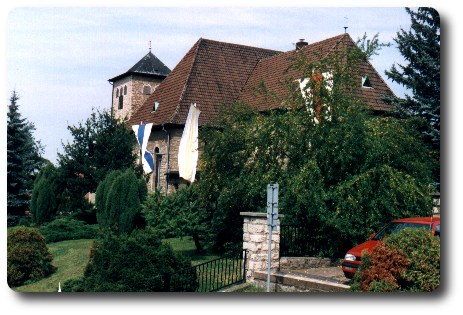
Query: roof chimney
pixel 301 44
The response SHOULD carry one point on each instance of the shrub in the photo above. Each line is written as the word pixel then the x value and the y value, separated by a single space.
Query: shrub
pixel 129 263
pixel 43 201
pixel 381 270
pixel 423 252
pixel 102 197
pixel 363 202
pixel 406 261
pixel 68 229
pixel 28 258
pixel 178 214
pixel 12 220
pixel 119 201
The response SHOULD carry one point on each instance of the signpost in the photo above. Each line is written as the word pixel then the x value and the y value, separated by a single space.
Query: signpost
pixel 272 217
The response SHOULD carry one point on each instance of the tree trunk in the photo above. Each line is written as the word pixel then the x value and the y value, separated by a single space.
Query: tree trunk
pixel 199 248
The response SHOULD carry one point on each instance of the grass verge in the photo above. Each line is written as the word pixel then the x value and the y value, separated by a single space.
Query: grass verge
pixel 70 257
pixel 186 247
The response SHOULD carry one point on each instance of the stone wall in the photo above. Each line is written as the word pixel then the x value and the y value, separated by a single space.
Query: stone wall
pixel 294 263
pixel 118 88
pixel 255 242
pixel 158 139
pixel 134 98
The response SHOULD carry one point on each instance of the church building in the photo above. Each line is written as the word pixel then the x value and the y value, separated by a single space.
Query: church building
pixel 212 74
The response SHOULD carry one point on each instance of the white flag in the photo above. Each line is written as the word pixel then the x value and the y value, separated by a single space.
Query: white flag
pixel 188 148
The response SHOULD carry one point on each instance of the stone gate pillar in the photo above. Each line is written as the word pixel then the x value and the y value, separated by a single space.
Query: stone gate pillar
pixel 255 242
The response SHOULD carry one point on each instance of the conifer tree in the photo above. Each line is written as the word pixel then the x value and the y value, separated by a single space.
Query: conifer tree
pixel 23 158
pixel 44 203
pixel 420 47
pixel 119 199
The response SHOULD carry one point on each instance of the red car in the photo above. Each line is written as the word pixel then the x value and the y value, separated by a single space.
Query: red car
pixel 352 260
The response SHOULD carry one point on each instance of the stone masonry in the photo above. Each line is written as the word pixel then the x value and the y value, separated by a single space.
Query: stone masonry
pixel 255 242
pixel 132 89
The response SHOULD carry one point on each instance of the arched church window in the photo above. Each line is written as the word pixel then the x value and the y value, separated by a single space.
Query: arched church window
pixel 125 90
pixel 121 101
pixel 147 90
pixel 157 173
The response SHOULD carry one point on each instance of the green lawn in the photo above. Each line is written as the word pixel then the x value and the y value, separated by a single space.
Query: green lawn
pixel 186 247
pixel 70 257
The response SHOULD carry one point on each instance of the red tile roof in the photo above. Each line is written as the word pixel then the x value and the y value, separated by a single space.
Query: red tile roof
pixel 213 73
pixel 210 74
pixel 273 73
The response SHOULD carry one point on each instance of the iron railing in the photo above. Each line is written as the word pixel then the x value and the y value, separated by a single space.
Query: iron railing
pixel 295 241
pixel 209 276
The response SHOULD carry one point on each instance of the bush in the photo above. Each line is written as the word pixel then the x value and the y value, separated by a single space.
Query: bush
pixel 101 197
pixel 362 203
pixel 12 220
pixel 423 252
pixel 118 200
pixel 178 214
pixel 28 258
pixel 44 204
pixel 68 229
pixel 406 261
pixel 129 263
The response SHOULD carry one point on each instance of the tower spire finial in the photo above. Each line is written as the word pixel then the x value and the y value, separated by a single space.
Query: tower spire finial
pixel 149 45
pixel 345 27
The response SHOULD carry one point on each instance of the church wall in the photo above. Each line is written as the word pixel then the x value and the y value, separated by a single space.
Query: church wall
pixel 158 139
pixel 118 86
pixel 135 96
pixel 138 96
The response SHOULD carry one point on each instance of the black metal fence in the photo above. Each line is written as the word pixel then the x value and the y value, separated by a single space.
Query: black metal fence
pixel 208 277
pixel 295 241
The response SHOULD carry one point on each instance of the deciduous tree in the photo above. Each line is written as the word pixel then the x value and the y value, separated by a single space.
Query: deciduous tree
pixel 100 144
pixel 341 170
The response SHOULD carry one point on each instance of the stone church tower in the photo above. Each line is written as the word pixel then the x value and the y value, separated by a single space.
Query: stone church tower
pixel 132 88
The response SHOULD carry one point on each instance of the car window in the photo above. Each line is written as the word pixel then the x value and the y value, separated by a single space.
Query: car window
pixel 395 227
pixel 437 231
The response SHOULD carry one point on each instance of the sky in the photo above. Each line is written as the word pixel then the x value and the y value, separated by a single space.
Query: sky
pixel 59 59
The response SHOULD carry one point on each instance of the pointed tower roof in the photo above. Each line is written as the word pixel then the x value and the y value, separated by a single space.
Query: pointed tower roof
pixel 149 65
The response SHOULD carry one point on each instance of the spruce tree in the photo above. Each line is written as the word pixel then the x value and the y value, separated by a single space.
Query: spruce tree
pixel 23 158
pixel 420 47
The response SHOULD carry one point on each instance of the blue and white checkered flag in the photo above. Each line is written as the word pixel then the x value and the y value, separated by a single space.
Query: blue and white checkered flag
pixel 142 132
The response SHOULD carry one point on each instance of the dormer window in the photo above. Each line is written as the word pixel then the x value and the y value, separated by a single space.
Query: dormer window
pixel 155 107
pixel 366 82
